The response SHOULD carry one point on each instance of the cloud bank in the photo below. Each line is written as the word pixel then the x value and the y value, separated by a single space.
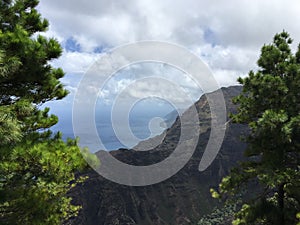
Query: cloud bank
pixel 227 35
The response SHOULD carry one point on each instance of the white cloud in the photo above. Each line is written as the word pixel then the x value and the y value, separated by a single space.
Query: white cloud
pixel 146 80
pixel 75 62
pixel 117 22
pixel 226 34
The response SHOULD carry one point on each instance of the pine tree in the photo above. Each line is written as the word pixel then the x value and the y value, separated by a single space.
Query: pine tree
pixel 270 105
pixel 37 168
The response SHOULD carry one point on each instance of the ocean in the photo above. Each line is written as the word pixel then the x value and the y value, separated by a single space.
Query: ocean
pixel 143 122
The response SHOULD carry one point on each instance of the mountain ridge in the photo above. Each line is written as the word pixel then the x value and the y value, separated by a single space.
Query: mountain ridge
pixel 181 199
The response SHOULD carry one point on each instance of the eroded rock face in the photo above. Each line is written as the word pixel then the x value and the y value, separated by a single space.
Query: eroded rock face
pixel 182 199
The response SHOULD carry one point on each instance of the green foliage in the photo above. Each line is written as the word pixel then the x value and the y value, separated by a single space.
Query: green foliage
pixel 270 105
pixel 36 177
pixel 220 216
pixel 35 78
pixel 36 169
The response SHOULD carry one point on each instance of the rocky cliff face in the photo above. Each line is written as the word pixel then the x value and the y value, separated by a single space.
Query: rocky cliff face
pixel 182 199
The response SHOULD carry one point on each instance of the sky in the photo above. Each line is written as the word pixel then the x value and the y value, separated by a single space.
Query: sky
pixel 226 35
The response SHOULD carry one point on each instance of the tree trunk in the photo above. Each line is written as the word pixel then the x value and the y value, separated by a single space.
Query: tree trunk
pixel 281 203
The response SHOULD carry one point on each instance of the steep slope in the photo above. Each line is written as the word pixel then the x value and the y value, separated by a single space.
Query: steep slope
pixel 170 118
pixel 182 199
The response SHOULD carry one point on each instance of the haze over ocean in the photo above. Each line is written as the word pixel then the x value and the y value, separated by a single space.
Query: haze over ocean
pixel 143 120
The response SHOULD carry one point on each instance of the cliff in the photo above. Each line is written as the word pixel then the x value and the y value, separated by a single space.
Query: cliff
pixel 182 199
